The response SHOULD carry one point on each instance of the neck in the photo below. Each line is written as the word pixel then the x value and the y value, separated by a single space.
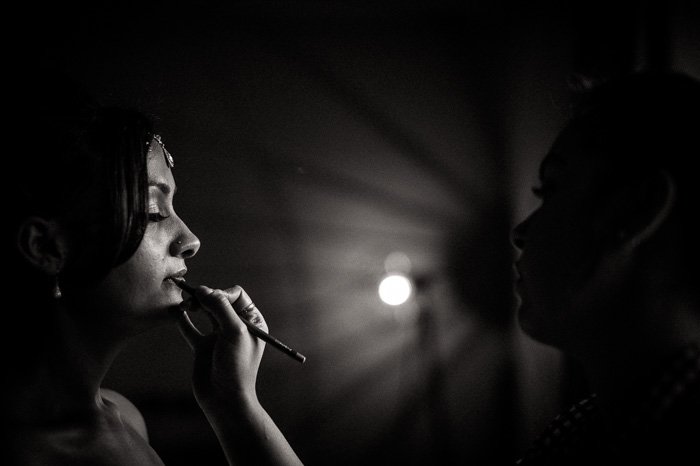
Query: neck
pixel 64 380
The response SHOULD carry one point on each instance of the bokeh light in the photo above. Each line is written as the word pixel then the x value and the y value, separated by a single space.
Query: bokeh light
pixel 395 289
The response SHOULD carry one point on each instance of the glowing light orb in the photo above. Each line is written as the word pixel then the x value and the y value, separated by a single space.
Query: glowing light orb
pixel 395 289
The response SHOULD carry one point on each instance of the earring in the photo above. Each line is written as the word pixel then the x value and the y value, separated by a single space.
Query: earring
pixel 56 291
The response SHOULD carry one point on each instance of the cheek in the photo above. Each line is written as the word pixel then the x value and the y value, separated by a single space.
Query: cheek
pixel 558 256
pixel 561 254
pixel 142 272
pixel 135 283
pixel 146 267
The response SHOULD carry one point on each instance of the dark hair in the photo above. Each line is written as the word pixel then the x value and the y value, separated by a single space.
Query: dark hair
pixel 85 166
pixel 646 117
pixel 647 122
pixel 118 143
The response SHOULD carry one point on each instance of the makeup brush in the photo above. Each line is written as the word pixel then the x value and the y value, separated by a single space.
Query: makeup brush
pixel 239 307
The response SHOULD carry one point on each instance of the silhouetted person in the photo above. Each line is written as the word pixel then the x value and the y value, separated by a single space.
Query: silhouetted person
pixel 609 272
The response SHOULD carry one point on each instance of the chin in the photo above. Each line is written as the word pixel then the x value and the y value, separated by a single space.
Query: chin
pixel 166 310
pixel 528 321
pixel 171 296
pixel 160 310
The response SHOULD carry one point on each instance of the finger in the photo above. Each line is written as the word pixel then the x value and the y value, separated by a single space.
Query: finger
pixel 189 305
pixel 218 305
pixel 247 310
pixel 188 330
pixel 242 300
pixel 192 305
pixel 252 314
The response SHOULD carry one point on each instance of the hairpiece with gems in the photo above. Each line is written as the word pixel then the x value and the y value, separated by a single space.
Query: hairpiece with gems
pixel 168 158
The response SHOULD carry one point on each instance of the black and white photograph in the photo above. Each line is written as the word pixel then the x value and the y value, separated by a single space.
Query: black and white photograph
pixel 351 233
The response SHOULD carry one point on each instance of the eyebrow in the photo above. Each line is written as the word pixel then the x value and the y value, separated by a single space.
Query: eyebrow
pixel 163 187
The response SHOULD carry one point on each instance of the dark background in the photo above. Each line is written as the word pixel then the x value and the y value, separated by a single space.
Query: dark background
pixel 312 139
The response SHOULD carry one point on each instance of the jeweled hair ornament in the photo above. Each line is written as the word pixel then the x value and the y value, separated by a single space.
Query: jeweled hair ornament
pixel 168 158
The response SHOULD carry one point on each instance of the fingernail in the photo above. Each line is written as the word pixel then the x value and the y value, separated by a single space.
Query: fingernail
pixel 187 305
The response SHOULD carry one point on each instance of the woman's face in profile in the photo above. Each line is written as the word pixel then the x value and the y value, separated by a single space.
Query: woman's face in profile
pixel 560 243
pixel 138 291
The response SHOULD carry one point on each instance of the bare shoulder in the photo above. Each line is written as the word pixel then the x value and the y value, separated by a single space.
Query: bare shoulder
pixel 128 411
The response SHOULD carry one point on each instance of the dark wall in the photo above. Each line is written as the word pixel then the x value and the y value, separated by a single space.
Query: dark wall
pixel 312 140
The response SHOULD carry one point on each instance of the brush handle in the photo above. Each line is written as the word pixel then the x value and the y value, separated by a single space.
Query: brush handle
pixel 252 328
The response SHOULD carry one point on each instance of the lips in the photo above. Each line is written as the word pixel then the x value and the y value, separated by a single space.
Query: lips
pixel 517 277
pixel 179 274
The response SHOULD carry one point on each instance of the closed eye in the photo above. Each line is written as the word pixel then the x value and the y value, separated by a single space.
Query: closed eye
pixel 156 217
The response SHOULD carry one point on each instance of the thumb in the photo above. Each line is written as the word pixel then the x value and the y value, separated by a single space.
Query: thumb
pixel 188 331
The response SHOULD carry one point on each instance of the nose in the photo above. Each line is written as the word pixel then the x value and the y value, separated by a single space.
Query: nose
pixel 186 244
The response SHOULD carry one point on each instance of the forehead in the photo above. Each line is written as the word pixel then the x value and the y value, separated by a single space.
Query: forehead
pixel 576 170
pixel 158 169
pixel 571 154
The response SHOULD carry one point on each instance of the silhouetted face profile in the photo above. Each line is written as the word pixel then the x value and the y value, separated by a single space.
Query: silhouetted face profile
pixel 615 228
pixel 560 286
